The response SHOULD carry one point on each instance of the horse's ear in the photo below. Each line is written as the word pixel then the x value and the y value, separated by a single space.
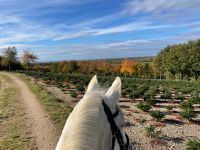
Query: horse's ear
pixel 93 85
pixel 114 91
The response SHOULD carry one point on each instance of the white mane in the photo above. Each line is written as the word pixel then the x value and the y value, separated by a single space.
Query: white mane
pixel 87 125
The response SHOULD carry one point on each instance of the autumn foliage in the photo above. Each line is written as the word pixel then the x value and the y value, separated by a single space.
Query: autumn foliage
pixel 27 58
pixel 128 66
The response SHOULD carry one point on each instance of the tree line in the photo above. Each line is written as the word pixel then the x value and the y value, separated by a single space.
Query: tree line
pixel 126 67
pixel 180 61
pixel 10 61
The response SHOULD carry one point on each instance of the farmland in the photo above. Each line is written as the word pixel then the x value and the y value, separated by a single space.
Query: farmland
pixel 158 113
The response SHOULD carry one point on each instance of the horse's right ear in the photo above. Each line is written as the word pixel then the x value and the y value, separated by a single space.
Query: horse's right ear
pixel 93 85
pixel 114 92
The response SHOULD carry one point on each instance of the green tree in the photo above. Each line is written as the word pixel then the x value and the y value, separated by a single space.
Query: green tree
pixel 181 61
pixel 73 66
pixel 194 59
pixel 9 57
pixel 147 71
pixel 54 67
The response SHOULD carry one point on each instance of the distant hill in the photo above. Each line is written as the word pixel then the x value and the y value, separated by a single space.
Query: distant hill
pixel 111 60
pixel 141 59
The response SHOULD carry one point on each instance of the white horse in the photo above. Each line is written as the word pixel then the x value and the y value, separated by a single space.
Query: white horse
pixel 96 122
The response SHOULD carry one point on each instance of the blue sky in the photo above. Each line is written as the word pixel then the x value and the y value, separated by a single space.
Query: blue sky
pixel 93 29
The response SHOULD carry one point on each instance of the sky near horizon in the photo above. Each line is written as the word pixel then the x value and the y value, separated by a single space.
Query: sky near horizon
pixel 94 29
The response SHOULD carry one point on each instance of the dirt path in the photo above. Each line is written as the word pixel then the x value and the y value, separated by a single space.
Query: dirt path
pixel 41 126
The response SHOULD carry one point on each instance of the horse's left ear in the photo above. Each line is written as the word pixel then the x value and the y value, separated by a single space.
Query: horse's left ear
pixel 93 85
pixel 114 91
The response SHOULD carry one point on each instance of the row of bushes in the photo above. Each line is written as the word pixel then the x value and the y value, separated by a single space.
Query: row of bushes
pixel 133 88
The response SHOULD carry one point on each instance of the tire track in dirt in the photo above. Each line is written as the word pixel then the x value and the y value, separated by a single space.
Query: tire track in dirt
pixel 42 128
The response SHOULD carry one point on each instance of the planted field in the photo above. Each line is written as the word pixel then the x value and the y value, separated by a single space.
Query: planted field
pixel 160 114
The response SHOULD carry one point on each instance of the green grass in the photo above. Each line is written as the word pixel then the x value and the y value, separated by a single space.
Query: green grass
pixel 56 108
pixel 13 130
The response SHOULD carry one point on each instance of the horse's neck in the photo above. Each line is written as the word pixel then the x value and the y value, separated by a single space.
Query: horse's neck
pixel 87 129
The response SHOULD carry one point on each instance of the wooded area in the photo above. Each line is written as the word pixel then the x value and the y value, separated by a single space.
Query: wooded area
pixel 181 61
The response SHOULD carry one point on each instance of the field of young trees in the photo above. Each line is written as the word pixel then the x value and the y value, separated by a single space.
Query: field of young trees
pixel 154 104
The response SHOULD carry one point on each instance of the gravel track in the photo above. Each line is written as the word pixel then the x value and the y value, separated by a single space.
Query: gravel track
pixel 42 128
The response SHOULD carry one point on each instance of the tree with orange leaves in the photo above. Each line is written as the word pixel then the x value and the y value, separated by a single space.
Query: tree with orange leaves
pixel 28 57
pixel 127 67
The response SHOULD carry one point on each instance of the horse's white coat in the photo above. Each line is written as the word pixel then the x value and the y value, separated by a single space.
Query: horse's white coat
pixel 87 127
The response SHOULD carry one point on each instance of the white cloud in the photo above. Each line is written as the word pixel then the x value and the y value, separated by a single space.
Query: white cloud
pixel 130 27
pixel 74 35
pixel 98 21
pixel 127 43
pixel 161 7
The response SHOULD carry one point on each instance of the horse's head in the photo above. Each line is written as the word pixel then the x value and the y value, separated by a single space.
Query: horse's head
pixel 113 113
pixel 96 122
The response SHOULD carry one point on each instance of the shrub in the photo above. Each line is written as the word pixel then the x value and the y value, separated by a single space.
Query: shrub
pixel 142 89
pixel 166 95
pixel 73 94
pixel 193 144
pixel 129 90
pixel 149 94
pixel 134 95
pixel 188 114
pixel 163 89
pixel 80 87
pixel 169 108
pixel 195 99
pixel 180 97
pixel 186 90
pixel 151 132
pixel 124 93
pixel 151 101
pixel 144 106
pixel 158 115
pixel 186 105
